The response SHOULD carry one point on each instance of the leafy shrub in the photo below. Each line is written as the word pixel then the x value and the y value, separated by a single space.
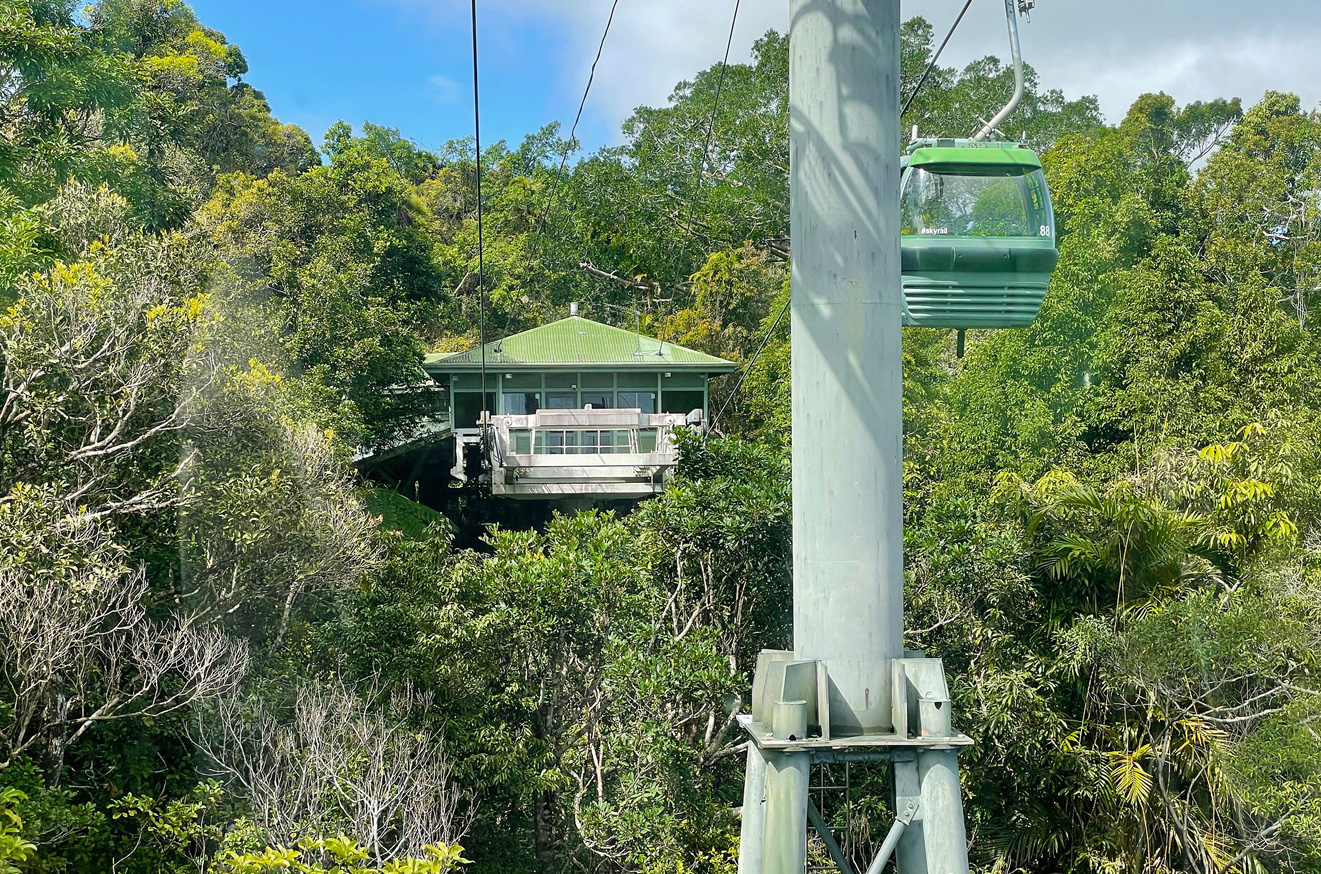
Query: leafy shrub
pixel 13 847
pixel 341 855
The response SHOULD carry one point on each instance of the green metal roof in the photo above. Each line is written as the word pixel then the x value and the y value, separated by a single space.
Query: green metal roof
pixel 577 342
pixel 974 154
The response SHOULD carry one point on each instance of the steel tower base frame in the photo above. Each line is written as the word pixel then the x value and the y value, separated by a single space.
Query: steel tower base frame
pixel 789 731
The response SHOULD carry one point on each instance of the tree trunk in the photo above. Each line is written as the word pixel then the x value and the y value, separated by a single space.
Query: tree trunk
pixel 544 829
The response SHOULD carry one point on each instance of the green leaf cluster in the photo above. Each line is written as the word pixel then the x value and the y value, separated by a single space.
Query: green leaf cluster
pixel 340 855
pixel 13 848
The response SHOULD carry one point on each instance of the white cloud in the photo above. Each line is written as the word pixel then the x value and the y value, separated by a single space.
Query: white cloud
pixel 1243 67
pixel 444 90
pixel 654 45
pixel 1118 49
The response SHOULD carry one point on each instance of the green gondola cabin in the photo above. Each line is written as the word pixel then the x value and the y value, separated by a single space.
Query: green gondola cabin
pixel 978 245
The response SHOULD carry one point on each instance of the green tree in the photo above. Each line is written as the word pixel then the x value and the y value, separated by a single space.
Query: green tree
pixel 13 848
pixel 341 855
pixel 192 116
pixel 341 260
pixel 55 88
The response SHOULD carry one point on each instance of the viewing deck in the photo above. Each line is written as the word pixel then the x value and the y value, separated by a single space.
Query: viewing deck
pixel 580 453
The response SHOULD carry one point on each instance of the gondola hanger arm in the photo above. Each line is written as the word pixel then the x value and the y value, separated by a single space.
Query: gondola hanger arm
pixel 1011 16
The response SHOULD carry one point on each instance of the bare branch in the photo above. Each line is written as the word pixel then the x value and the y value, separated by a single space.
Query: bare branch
pixel 341 766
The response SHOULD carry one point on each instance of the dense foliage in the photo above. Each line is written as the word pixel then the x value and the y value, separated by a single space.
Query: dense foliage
pixel 221 650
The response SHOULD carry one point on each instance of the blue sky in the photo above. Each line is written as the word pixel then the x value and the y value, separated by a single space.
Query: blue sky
pixel 407 63
pixel 396 65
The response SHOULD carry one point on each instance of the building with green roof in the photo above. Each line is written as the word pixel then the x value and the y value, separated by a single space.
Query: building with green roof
pixel 574 408
pixel 574 342
pixel 576 363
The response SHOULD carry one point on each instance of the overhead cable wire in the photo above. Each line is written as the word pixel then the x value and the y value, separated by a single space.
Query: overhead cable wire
pixel 568 148
pixel 936 57
pixel 765 341
pixel 692 208
pixel 711 125
pixel 481 242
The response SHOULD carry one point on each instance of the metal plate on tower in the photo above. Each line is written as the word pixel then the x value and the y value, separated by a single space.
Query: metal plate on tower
pixel 762 736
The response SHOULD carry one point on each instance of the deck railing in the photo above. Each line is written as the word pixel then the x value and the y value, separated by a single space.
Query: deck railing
pixel 587 452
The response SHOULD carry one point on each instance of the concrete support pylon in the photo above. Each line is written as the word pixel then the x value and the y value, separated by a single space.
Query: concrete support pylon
pixel 847 385
pixel 847 353
pixel 784 843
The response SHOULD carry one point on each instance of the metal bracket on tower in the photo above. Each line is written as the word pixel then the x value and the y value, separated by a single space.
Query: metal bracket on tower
pixel 791 710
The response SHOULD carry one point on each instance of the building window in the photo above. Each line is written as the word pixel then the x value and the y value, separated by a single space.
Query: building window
pixel 530 381
pixel 562 380
pixel 681 379
pixel 524 393
pixel 468 408
pixel 639 381
pixel 605 442
pixel 521 403
pixel 555 442
pixel 682 400
pixel 582 442
pixel 561 400
pixel 642 400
